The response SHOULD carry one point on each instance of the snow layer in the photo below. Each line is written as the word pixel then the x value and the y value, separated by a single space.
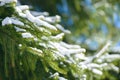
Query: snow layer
pixel 9 20
pixel 6 21
pixel 39 13
pixel 96 71
pixel 23 7
pixel 59 36
pixel 62 29
pixel 66 51
pixel 53 19
pixel 38 50
pixel 27 35
pixel 62 78
pixel 19 29
pixel 3 2
pixel 39 22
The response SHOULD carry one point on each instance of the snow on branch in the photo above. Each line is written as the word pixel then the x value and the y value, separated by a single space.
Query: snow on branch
pixel 3 2
pixel 49 44
pixel 9 20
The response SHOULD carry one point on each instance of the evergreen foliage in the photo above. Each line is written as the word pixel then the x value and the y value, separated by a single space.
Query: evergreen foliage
pixel 92 22
pixel 32 48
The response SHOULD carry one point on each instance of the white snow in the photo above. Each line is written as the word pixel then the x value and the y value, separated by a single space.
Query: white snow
pixel 35 39
pixel 93 65
pixel 115 68
pixel 22 15
pixel 96 71
pixel 41 17
pixel 43 30
pixel 110 57
pixel 45 24
pixel 76 50
pixel 27 35
pixel 84 76
pixel 57 18
pixel 62 29
pixel 23 7
pixel 43 45
pixel 55 74
pixel 18 10
pixel 29 16
pixel 39 22
pixel 58 54
pixel 80 56
pixel 69 46
pixel 53 19
pixel 83 66
pixel 39 13
pixel 103 49
pixel 17 22
pixel 6 21
pixel 44 38
pixel 19 29
pixel 3 2
pixel 104 65
pixel 64 51
pixel 20 45
pixel 62 78
pixel 9 20
pixel 59 36
pixel 38 50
